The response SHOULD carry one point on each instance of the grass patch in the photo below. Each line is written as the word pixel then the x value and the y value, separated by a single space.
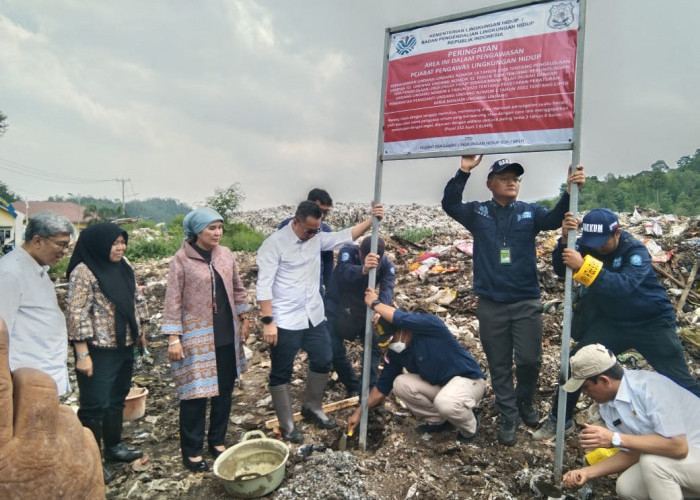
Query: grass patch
pixel 414 235
pixel 241 237
pixel 237 237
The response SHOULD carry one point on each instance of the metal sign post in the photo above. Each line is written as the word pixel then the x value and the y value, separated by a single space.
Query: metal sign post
pixel 367 353
pixel 570 243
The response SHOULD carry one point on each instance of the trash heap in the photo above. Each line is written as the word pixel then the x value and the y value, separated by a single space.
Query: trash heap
pixel 434 273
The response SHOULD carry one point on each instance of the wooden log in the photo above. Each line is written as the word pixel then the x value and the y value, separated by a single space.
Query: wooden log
pixel 686 290
pixel 328 408
pixel 663 271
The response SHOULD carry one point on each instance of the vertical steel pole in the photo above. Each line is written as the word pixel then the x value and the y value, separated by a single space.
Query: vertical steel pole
pixel 367 355
pixel 570 243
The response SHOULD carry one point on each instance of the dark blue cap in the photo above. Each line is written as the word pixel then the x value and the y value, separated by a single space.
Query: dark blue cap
pixel 504 164
pixel 598 226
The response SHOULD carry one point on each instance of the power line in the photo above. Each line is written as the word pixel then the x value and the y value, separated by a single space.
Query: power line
pixel 19 168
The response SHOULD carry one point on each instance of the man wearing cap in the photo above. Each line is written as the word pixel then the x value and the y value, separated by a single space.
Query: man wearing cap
pixel 345 307
pixel 654 423
pixel 505 280
pixel 293 317
pixel 443 383
pixel 621 302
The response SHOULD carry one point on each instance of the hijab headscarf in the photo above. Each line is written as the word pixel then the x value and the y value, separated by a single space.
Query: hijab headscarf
pixel 195 221
pixel 116 279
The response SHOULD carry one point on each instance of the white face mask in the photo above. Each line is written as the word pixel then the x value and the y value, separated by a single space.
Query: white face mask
pixel 397 347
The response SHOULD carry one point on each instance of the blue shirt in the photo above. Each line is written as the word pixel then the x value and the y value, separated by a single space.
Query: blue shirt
pixel 626 292
pixel 494 228
pixel 326 257
pixel 433 353
pixel 348 284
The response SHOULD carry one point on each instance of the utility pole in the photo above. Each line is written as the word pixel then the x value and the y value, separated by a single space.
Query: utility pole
pixel 123 181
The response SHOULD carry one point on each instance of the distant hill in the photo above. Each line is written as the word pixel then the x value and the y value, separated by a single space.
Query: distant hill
pixel 153 209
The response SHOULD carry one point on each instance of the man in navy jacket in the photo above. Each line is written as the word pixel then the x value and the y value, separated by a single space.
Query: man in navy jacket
pixel 443 383
pixel 345 307
pixel 621 303
pixel 505 280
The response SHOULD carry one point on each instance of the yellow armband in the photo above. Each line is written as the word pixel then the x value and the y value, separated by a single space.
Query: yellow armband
pixel 589 271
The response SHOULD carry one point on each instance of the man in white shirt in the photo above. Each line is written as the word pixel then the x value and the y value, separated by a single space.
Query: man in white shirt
pixel 292 308
pixel 653 421
pixel 38 336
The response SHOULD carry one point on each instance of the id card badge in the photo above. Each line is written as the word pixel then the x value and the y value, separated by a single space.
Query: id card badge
pixel 504 255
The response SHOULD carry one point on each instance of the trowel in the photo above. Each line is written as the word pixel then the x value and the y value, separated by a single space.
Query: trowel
pixel 343 444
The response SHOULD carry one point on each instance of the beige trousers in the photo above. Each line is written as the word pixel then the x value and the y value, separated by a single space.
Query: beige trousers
pixel 433 404
pixel 661 478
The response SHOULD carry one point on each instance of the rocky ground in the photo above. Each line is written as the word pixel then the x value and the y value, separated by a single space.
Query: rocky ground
pixel 399 463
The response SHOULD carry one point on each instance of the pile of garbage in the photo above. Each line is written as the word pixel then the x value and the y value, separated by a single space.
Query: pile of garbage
pixel 434 273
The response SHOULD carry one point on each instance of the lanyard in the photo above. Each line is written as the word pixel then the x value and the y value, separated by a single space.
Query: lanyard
pixel 504 233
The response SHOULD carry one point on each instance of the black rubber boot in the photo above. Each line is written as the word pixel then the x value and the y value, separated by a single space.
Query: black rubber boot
pixel 95 427
pixel 115 450
pixel 312 408
pixel 285 416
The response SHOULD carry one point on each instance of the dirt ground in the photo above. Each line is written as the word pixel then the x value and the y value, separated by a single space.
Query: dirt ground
pixel 400 463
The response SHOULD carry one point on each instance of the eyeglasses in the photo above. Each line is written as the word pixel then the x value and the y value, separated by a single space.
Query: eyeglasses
pixel 63 245
pixel 307 230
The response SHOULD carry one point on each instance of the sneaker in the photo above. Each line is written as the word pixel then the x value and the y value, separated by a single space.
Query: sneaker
pixel 529 414
pixel 549 430
pixel 430 428
pixel 506 433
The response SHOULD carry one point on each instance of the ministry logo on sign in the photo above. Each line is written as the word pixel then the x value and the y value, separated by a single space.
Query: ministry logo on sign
pixel 406 45
pixel 561 15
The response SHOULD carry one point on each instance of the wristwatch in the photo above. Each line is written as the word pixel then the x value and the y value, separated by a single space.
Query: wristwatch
pixel 374 303
pixel 616 439
pixel 266 320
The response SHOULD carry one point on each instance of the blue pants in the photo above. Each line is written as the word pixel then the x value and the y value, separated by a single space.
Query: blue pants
pixel 351 327
pixel 315 340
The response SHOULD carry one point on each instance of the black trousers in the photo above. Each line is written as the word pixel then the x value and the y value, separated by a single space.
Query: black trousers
pixel 106 391
pixel 193 412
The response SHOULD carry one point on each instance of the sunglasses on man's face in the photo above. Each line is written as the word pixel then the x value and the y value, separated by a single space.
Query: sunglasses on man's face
pixel 309 231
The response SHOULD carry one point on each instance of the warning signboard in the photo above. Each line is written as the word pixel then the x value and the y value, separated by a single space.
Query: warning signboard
pixel 499 80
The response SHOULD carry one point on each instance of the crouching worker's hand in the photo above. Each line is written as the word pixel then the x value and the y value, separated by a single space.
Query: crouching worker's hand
pixel 45 452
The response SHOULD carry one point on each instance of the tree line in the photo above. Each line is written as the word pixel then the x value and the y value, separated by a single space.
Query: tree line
pixel 662 188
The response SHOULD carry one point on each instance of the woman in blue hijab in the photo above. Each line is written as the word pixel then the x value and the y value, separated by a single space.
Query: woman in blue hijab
pixel 205 319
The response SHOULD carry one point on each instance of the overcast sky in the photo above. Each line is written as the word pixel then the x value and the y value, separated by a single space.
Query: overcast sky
pixel 184 96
